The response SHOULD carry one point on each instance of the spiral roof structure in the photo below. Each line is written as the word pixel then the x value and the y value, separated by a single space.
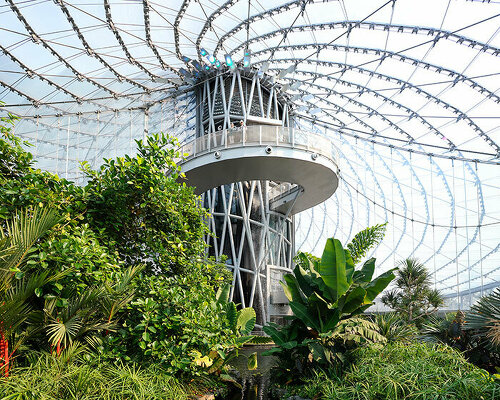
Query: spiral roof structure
pixel 408 91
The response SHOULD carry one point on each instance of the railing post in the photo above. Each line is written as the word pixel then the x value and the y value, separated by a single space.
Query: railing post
pixel 260 135
pixel 277 136
pixel 225 138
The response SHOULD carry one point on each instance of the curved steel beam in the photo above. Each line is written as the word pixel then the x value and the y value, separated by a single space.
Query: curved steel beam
pixel 38 39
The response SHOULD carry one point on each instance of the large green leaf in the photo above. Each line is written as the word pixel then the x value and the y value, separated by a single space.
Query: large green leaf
pixel 304 315
pixel 365 274
pixel 349 266
pixel 375 287
pixel 291 289
pixel 332 320
pixel 333 268
pixel 246 320
pixel 231 315
pixel 319 353
pixel 304 280
pixel 354 300
pixel 277 335
pixel 222 295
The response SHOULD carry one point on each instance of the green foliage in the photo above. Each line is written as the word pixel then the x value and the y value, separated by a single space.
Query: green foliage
pixel 394 328
pixel 365 240
pixel 82 253
pixel 150 217
pixel 22 187
pixel 403 371
pixel 52 378
pixel 325 297
pixel 447 329
pixel 322 293
pixel 179 323
pixel 132 211
pixel 16 287
pixel 413 296
pixel 13 158
pixel 451 330
pixel 484 317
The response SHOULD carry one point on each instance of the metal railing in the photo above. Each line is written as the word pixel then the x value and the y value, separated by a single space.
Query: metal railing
pixel 259 135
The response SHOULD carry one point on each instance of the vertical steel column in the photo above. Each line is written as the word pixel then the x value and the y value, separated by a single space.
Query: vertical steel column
pixel 67 146
pixel 146 121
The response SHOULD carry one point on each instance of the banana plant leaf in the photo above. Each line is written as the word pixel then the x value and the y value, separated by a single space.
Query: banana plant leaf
pixel 375 287
pixel 333 268
pixel 365 274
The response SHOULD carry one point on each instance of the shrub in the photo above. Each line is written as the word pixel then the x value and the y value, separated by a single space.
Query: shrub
pixel 394 328
pixel 53 378
pixel 173 321
pixel 414 371
pixel 148 215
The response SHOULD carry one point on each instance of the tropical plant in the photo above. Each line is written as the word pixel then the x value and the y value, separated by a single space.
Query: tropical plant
pixel 324 297
pixel 484 318
pixel 447 329
pixel 81 377
pixel 363 241
pixel 394 328
pixel 413 296
pixel 241 323
pixel 329 290
pixel 20 234
pixel 88 315
pixel 451 329
pixel 398 371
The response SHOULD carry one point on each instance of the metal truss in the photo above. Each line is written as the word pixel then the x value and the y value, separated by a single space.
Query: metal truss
pixel 258 17
pixel 132 60
pixel 257 244
pixel 404 85
pixel 149 41
pixel 178 19
pixel 208 24
pixel 92 52
pixel 437 34
pixel 363 89
pixel 389 54
pixel 38 39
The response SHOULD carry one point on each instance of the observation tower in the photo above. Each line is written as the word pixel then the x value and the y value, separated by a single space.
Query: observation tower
pixel 255 171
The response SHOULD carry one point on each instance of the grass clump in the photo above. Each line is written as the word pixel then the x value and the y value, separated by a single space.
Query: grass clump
pixel 413 371
pixel 51 378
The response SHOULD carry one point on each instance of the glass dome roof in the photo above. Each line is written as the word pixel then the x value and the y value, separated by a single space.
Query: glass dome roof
pixel 408 91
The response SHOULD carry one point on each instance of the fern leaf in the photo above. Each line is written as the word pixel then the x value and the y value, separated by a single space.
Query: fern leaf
pixel 365 240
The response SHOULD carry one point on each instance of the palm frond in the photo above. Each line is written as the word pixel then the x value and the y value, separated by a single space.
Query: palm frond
pixel 484 316
pixel 63 332
pixel 365 240
pixel 21 233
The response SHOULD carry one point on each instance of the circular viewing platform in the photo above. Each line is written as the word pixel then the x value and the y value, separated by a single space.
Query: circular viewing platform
pixel 303 161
